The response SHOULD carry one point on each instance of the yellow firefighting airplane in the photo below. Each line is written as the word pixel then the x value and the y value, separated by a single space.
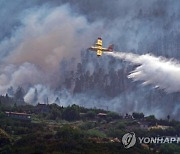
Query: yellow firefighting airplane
pixel 99 49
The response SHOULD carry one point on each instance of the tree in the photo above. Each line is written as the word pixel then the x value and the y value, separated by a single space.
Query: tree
pixel 90 114
pixel 19 94
pixel 15 107
pixel 96 133
pixel 71 114
pixel 4 138
pixel 69 133
pixel 138 115
pixel 57 101
pixel 114 115
pixel 169 148
pixel 168 117
pixel 35 96
pixel 152 119
pixel 7 96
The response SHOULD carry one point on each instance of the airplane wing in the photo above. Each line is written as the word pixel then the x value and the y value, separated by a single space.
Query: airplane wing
pixel 97 45
pixel 99 42
pixel 93 48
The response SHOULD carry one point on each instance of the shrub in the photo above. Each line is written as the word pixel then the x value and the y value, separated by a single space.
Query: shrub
pixel 4 138
pixel 69 133
pixel 121 125
pixel 88 125
pixel 90 114
pixel 96 133
pixel 113 115
pixel 71 114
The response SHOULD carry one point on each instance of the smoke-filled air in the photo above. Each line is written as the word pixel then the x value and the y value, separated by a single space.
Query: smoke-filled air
pixel 43 50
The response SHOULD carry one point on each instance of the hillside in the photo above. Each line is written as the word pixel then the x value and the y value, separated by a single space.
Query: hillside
pixel 74 129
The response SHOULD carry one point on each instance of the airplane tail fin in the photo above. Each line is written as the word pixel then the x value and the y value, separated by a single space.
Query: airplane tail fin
pixel 111 47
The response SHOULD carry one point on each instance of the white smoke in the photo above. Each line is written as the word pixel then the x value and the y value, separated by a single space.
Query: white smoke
pixel 158 71
pixel 24 75
pixel 36 49
pixel 40 93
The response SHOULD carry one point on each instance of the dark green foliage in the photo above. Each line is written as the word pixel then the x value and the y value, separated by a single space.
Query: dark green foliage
pixel 151 118
pixel 6 102
pixel 91 114
pixel 88 125
pixel 55 112
pixel 69 133
pixel 19 95
pixel 96 133
pixel 121 125
pixel 113 115
pixel 170 149
pixel 131 123
pixel 4 138
pixel 2 114
pixel 50 133
pixel 113 132
pixel 71 113
pixel 138 115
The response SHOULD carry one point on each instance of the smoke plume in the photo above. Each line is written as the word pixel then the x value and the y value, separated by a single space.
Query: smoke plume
pixel 37 48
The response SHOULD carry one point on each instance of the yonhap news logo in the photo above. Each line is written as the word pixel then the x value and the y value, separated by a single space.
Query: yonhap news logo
pixel 130 139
